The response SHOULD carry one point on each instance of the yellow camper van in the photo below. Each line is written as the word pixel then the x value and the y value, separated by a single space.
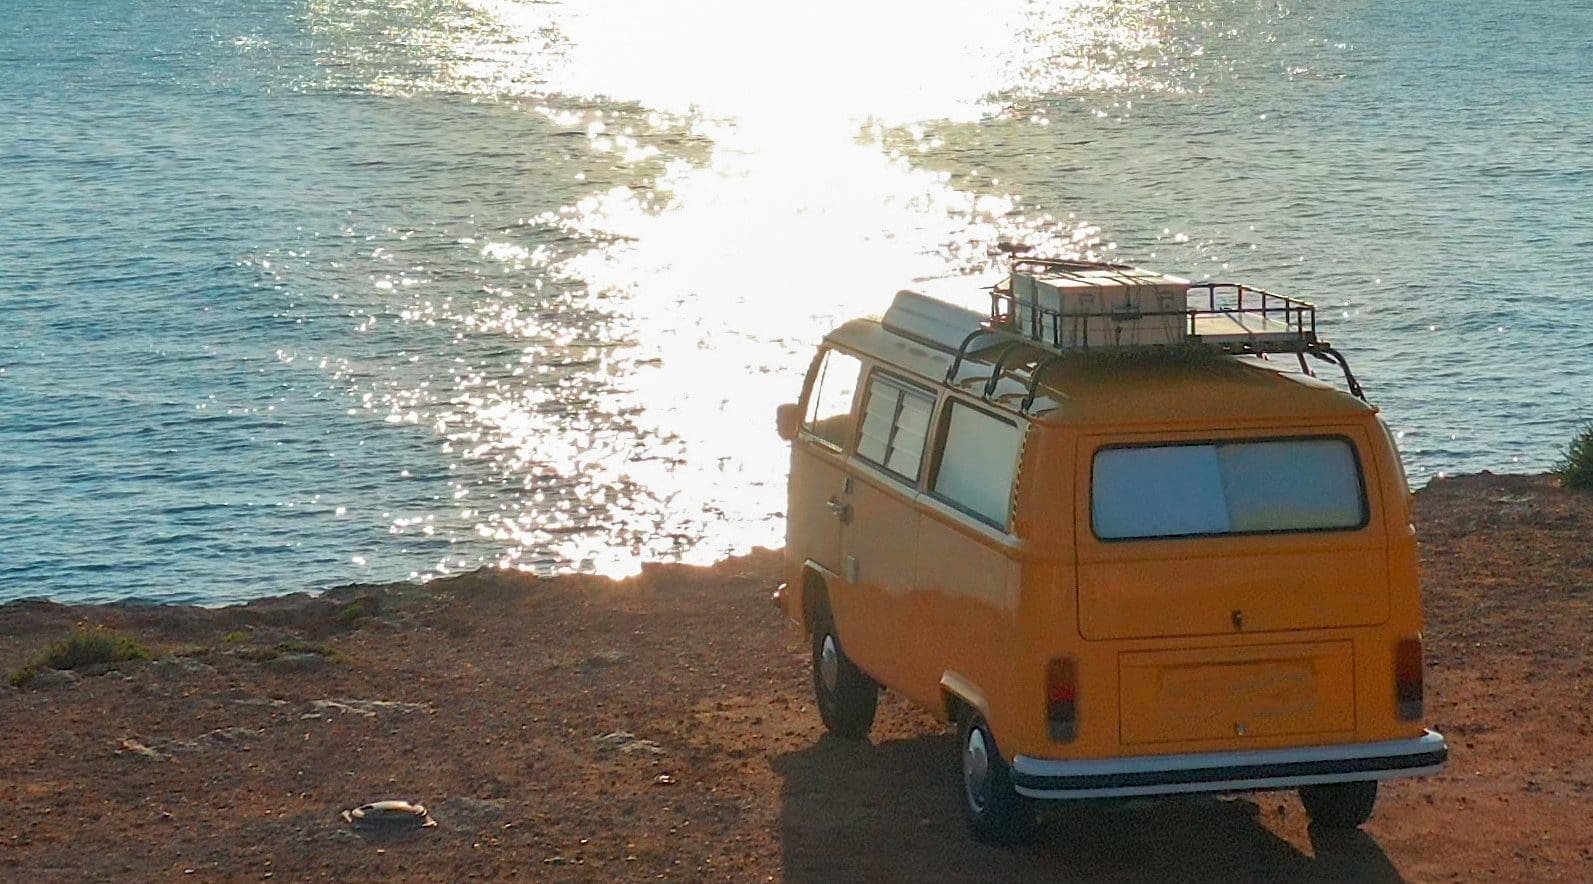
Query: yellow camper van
pixel 1119 532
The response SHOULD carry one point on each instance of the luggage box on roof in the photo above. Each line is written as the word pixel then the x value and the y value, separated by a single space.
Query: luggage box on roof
pixel 1102 306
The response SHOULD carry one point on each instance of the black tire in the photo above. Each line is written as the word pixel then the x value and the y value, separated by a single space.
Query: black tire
pixel 995 812
pixel 1339 805
pixel 847 698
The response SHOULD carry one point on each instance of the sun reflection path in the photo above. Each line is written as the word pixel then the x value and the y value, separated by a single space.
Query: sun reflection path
pixel 752 185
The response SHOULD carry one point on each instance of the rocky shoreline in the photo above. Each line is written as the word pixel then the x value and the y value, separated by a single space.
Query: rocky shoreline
pixel 588 729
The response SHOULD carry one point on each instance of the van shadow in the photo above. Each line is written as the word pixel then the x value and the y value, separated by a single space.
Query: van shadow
pixel 852 811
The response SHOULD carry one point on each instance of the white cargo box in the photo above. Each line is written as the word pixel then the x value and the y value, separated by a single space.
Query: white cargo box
pixel 1117 307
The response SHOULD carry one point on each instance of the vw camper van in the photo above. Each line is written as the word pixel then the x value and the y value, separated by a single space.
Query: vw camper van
pixel 1120 533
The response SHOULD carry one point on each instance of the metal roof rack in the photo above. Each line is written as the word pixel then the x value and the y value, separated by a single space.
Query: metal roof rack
pixel 1229 318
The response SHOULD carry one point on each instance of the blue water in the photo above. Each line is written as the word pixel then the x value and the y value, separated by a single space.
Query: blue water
pixel 301 293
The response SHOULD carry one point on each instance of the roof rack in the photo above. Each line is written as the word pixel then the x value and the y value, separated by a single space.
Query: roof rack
pixel 1230 318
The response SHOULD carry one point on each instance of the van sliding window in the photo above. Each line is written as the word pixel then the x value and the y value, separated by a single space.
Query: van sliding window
pixel 895 423
pixel 1242 487
pixel 978 462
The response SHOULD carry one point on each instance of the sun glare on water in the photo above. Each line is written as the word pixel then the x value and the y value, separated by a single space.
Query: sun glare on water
pixel 755 183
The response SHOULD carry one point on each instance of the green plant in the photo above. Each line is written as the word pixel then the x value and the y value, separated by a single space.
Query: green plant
pixel 352 614
pixel 1576 470
pixel 85 647
pixel 235 637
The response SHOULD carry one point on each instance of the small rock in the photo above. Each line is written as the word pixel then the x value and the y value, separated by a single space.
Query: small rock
pixel 367 708
pixel 628 743
pixel 260 701
pixel 663 779
pixel 131 746
pixel 226 735
pixel 49 679
pixel 604 659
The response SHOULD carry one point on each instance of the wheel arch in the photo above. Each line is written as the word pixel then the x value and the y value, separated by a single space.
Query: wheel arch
pixel 815 593
pixel 958 692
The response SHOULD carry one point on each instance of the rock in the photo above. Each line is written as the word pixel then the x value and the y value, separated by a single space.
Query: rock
pixel 603 660
pixel 367 708
pixel 160 748
pixel 49 679
pixel 272 702
pixel 628 743
pixel 179 666
pixel 131 746
pixel 228 735
pixel 296 661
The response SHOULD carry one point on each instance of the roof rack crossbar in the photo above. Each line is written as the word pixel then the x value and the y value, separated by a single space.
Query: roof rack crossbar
pixel 1329 354
pixel 1034 381
pixel 1002 335
pixel 962 350
pixel 1000 366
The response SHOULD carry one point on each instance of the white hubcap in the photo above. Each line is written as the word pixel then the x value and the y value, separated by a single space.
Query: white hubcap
pixel 976 769
pixel 829 663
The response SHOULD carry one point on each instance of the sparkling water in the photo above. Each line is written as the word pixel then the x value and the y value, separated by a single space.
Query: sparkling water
pixel 302 292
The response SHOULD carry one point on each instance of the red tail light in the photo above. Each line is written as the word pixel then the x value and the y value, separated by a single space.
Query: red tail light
pixel 1408 679
pixel 1062 694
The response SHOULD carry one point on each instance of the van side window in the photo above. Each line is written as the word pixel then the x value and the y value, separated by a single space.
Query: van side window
pixel 977 463
pixel 1245 487
pixel 829 414
pixel 895 423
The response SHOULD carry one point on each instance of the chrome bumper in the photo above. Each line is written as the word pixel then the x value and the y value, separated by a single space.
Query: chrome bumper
pixel 1228 771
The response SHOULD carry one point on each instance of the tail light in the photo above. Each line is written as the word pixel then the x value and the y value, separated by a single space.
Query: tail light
pixel 1408 679
pixel 1062 695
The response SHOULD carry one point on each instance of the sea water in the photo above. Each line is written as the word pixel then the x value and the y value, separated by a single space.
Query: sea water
pixel 303 292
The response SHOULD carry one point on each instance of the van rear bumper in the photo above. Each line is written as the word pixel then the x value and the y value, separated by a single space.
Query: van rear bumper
pixel 1228 771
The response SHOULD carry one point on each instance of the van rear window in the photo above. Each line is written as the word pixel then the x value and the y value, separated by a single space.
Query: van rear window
pixel 1243 487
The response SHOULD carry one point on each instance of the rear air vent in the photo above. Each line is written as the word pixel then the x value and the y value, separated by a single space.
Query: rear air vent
pixel 930 321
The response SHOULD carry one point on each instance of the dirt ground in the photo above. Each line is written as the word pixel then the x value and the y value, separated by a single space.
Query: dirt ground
pixel 663 727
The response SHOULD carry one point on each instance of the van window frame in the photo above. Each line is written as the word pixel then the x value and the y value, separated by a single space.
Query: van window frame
pixel 1355 455
pixel 859 415
pixel 942 430
pixel 810 383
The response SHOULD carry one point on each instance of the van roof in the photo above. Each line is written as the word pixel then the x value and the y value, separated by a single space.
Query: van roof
pixel 1113 388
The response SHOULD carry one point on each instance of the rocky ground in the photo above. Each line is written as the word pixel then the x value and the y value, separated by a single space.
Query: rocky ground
pixel 662 727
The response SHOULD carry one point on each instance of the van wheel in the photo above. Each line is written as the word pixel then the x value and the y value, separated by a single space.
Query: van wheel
pixel 847 698
pixel 995 812
pixel 1339 805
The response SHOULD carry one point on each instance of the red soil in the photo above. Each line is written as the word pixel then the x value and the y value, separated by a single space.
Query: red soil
pixel 220 765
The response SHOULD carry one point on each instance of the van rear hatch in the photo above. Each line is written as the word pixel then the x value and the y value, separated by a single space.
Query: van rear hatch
pixel 1234 535
pixel 1253 691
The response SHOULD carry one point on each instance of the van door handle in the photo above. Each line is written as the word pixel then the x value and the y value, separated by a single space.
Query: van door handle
pixel 840 508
